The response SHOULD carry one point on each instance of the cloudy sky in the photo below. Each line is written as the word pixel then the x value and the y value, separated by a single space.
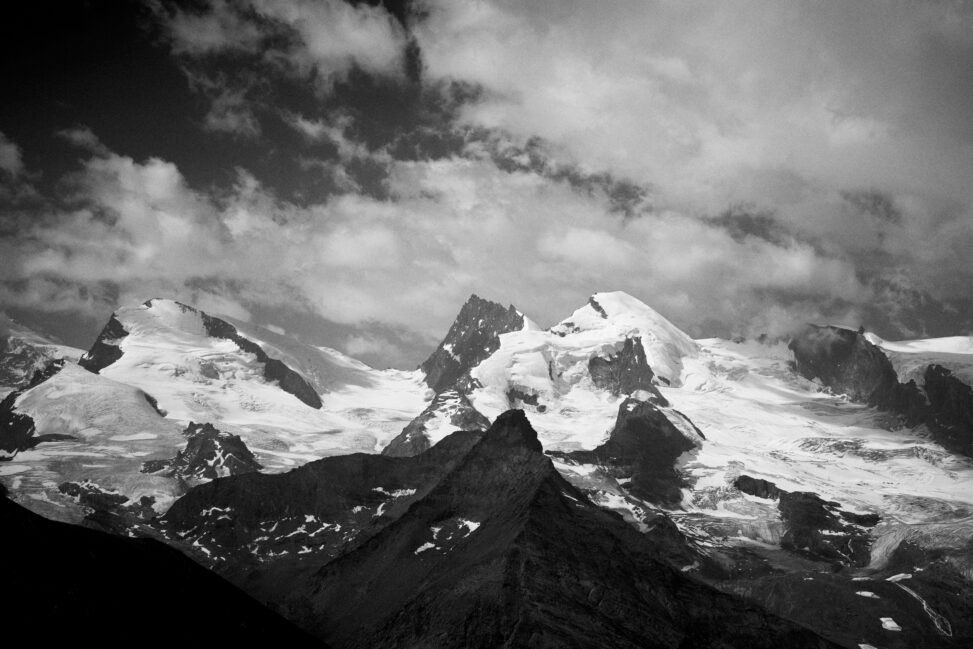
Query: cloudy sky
pixel 351 172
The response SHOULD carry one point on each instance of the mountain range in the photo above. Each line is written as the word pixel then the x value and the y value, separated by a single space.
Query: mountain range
pixel 603 482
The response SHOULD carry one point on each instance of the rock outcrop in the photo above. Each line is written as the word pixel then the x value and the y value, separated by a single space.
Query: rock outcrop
pixel 848 363
pixel 210 453
pixel 625 372
pixel 448 409
pixel 642 452
pixel 950 412
pixel 816 527
pixel 106 349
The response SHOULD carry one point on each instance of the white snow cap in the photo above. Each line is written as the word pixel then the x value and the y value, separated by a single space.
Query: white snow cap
pixel 159 315
pixel 618 315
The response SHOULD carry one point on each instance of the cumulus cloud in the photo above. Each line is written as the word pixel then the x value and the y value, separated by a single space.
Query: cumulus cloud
pixel 741 169
pixel 326 37
pixel 662 89
pixel 785 106
pixel 129 230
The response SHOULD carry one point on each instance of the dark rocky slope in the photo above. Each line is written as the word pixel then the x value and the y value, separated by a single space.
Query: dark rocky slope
pixel 503 552
pixel 815 527
pixel 66 584
pixel 105 349
pixel 310 514
pixel 950 412
pixel 624 372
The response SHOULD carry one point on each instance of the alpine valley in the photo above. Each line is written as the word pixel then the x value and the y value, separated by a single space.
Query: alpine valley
pixel 604 482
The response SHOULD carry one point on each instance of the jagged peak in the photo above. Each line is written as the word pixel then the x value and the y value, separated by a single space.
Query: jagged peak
pixel 473 336
pixel 476 302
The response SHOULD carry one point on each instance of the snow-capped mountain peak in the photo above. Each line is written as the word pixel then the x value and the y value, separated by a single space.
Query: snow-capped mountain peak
pixel 158 314
pixel 618 315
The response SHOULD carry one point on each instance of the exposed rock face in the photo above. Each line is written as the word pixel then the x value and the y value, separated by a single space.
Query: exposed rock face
pixel 757 487
pixel 106 349
pixel 50 369
pixel 643 449
pixel 274 370
pixel 209 454
pixel 811 524
pixel 815 526
pixel 311 513
pixel 950 416
pixel 846 362
pixel 63 578
pixel 17 430
pixel 624 372
pixel 503 552
pixel 474 335
pixel 450 408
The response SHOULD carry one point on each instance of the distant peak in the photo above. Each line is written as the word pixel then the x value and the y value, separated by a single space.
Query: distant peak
pixel 477 302
pixel 473 336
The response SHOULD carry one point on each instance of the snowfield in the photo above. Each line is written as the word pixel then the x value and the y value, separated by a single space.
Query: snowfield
pixel 762 420
pixel 553 365
pixel 196 377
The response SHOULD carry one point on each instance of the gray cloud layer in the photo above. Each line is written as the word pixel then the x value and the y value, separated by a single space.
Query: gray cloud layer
pixel 838 133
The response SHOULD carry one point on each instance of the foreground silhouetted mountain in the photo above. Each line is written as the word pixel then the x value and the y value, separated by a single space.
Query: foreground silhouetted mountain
pixel 503 552
pixel 64 583
pixel 311 514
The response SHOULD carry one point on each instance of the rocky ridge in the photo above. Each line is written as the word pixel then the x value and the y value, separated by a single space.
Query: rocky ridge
pixel 847 362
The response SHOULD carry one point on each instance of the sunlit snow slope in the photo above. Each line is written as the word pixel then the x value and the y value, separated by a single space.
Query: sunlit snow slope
pixel 553 368
pixel 107 430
